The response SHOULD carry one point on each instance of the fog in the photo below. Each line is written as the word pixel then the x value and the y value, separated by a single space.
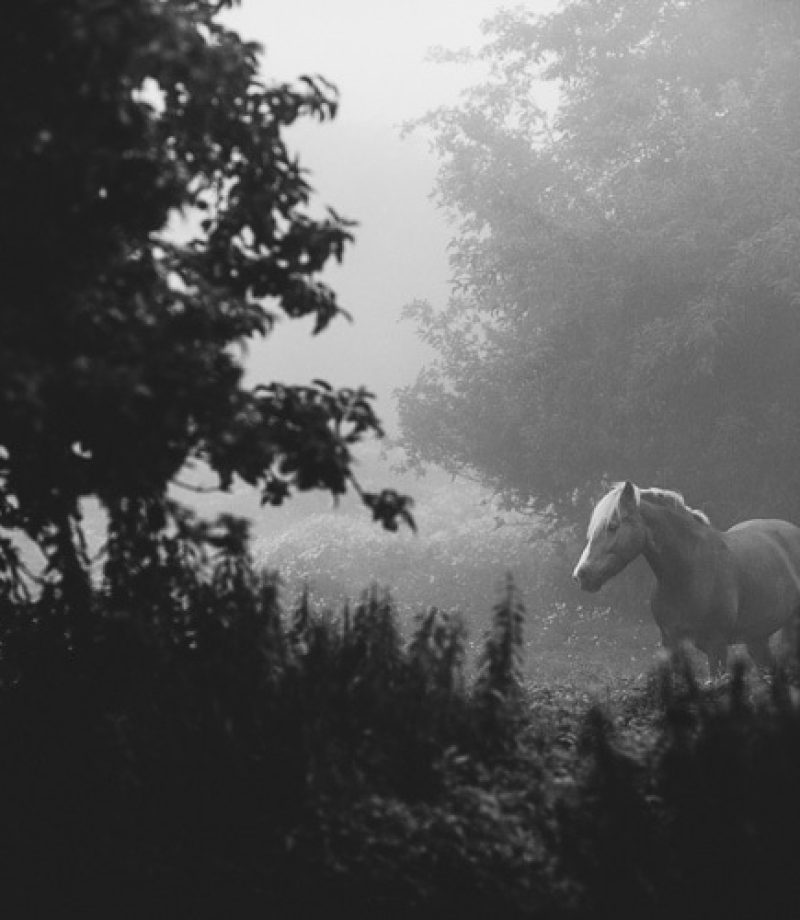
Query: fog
pixel 567 250
pixel 379 58
pixel 369 169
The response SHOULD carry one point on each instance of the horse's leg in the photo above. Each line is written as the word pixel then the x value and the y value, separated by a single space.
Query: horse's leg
pixel 790 632
pixel 717 655
pixel 761 654
pixel 667 642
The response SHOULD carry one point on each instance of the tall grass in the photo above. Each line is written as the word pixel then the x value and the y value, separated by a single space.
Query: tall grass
pixel 205 749
pixel 198 741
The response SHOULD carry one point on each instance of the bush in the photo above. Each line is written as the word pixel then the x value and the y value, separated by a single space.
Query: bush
pixel 187 749
pixel 706 822
pixel 205 750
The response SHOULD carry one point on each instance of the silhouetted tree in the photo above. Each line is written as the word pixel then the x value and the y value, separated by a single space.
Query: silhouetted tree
pixel 121 339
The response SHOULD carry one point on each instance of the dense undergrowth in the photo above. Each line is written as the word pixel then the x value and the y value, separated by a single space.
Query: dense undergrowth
pixel 199 750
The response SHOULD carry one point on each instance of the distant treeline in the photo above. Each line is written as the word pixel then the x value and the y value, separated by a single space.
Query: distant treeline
pixel 625 267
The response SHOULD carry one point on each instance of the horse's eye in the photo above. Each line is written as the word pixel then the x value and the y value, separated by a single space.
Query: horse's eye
pixel 613 526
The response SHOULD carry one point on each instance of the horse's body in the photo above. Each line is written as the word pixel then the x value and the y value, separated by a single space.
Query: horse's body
pixel 713 588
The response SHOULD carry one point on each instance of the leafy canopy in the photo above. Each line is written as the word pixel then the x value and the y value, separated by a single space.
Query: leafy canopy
pixel 626 275
pixel 122 340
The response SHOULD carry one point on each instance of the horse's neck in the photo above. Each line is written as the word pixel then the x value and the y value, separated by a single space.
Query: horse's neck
pixel 677 546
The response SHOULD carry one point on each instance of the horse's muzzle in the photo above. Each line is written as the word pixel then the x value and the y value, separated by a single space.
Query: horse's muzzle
pixel 588 580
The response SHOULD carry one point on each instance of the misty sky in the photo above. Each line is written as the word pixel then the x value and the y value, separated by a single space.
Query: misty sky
pixel 376 54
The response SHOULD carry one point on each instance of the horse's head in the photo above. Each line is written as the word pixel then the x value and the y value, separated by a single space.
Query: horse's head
pixel 616 536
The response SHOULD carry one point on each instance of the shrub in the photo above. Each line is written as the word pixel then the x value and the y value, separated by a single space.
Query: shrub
pixel 177 752
pixel 705 824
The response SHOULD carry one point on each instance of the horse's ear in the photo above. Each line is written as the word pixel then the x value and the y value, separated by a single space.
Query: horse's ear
pixel 627 500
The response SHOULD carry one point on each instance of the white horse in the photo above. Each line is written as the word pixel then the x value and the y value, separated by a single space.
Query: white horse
pixel 713 588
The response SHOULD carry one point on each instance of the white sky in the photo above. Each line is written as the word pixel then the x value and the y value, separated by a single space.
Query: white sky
pixel 375 52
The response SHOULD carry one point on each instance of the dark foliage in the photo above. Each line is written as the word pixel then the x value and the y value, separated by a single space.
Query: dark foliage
pixel 122 339
pixel 198 748
pixel 202 751
pixel 705 824
pixel 498 688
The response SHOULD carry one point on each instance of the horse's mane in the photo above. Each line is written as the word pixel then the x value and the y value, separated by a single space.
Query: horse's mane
pixel 608 506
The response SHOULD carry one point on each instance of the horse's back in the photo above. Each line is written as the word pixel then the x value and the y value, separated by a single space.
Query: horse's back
pixel 767 559
pixel 780 536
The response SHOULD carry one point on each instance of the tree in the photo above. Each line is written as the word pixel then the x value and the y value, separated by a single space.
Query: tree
pixel 121 348
pixel 626 276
